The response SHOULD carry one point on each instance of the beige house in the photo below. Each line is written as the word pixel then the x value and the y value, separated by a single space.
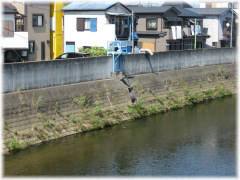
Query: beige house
pixel 166 28
pixel 34 18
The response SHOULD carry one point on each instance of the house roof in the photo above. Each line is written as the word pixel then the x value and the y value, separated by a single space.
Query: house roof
pixel 90 6
pixel 163 9
pixel 209 11
pixel 177 4
pixel 156 33
pixel 8 10
pixel 187 13
pixel 142 10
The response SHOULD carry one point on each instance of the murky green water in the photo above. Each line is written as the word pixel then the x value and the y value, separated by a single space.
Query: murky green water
pixel 195 141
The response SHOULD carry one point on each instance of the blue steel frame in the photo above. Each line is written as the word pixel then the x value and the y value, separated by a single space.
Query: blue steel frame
pixel 117 48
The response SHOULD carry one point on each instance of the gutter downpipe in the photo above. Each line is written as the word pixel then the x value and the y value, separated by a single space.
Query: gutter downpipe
pixel 195 39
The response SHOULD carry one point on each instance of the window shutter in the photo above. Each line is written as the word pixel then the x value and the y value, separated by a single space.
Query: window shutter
pixel 93 24
pixel 8 29
pixel 11 29
pixel 5 28
pixel 80 24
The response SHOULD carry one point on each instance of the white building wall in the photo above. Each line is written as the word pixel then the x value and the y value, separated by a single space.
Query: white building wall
pixel 19 39
pixel 105 32
pixel 202 5
pixel 217 4
pixel 211 23
pixel 221 5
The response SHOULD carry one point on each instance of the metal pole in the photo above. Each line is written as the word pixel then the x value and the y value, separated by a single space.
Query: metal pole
pixel 132 33
pixel 195 41
pixel 231 26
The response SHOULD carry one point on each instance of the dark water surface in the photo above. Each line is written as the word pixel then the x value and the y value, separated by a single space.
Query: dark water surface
pixel 195 141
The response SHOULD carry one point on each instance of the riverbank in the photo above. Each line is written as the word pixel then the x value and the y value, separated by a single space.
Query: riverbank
pixel 52 113
pixel 168 144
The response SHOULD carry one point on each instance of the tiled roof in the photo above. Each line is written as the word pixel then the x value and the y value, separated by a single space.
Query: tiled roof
pixel 187 13
pixel 159 9
pixel 89 6
pixel 182 4
pixel 162 9
pixel 209 11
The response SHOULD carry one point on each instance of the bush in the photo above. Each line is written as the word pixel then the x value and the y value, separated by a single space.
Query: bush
pixel 94 51
pixel 15 145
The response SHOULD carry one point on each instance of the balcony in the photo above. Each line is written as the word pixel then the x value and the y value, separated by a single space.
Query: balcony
pixel 18 41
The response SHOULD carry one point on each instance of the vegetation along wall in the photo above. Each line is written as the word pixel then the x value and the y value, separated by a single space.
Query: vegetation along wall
pixel 40 115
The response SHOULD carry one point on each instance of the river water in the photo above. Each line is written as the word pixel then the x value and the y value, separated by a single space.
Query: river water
pixel 193 141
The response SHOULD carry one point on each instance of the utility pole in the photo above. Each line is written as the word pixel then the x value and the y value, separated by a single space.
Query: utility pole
pixel 231 26
pixel 132 34
pixel 195 39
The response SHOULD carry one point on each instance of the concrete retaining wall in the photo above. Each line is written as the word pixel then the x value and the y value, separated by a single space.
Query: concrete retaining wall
pixel 173 60
pixel 35 75
pixel 34 116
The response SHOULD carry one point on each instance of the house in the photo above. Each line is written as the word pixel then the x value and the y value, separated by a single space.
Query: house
pixel 56 29
pixel 35 19
pixel 166 28
pixel 218 4
pixel 88 24
pixel 217 23
pixel 14 40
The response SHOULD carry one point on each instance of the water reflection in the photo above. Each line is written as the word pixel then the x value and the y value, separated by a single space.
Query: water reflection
pixel 197 141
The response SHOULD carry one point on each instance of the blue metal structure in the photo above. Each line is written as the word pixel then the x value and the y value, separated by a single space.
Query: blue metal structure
pixel 117 48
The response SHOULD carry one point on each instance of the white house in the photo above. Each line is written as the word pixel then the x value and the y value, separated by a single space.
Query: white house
pixel 88 24
pixel 14 42
pixel 217 24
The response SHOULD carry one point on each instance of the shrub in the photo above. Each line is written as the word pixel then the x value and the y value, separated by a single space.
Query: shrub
pixel 97 111
pixel 15 145
pixel 94 51
pixel 138 110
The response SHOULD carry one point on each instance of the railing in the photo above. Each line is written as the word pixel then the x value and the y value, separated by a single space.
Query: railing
pixel 19 28
pixel 117 47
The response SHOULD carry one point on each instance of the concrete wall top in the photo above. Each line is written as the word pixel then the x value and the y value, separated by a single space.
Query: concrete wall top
pixel 35 75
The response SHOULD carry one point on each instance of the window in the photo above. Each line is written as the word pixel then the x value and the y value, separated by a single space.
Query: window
pixel 214 44
pixel 151 23
pixel 31 46
pixel 87 24
pixel 37 20
pixel 53 24
pixel 168 24
pixel 19 23
pixel 64 56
